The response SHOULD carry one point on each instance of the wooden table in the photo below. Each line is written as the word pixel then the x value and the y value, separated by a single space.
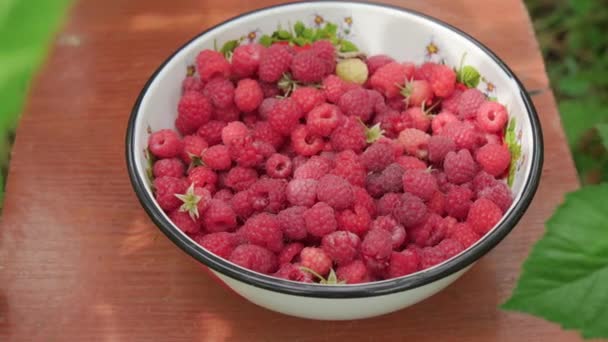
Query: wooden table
pixel 81 261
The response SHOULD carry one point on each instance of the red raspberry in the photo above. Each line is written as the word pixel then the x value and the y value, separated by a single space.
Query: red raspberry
pixel 233 131
pixel 203 177
pixel 228 114
pixel 419 118
pixel 458 202
pixel 422 234
pixel 246 59
pixel 463 134
pixel 255 258
pixel 442 181
pixel 349 167
pixel 315 259
pixel 219 217
pixel 449 224
pixel 437 203
pixel 195 201
pixel 308 98
pixel 377 99
pixel 193 147
pixel 248 95
pixel 469 102
pixel 246 152
pixel 290 252
pixel 439 146
pixel 184 222
pixel 362 198
pixel 241 204
pixel 388 203
pixel 411 163
pixel 374 184
pixel 450 248
pixel 268 194
pixel 278 166
pixel 266 106
pixel 165 189
pixel 270 90
pixel 353 273
pixel 403 263
pixel 194 110
pixel 459 167
pixel 463 233
pixel 375 62
pixel 334 87
pixel 415 142
pixel 377 247
pixel 357 102
pixel 342 247
pixel 240 178
pixel 355 221
pixel 314 168
pixel 349 135
pixel 424 71
pixel 430 256
pixel 304 142
pixel 494 159
pixel 191 83
pixel 284 116
pixel 292 272
pixel 442 80
pixel 302 192
pixel 263 230
pixel 326 51
pixel 307 67
pixel 291 221
pixel 262 131
pixel 411 211
pixel 450 103
pixel 483 215
pixel 323 119
pixel 483 180
pixel 378 155
pixel 220 92
pixel 211 132
pixel 492 138
pixel 335 191
pixel 396 103
pixel 391 178
pixel 492 117
pixel 217 157
pixel 210 64
pixel 389 77
pixel 397 231
pixel 171 167
pixel 274 62
pixel 222 195
pixel 320 219
pixel 498 193
pixel 442 119
pixel 420 183
pixel 165 143
pixel 417 93
pixel 221 244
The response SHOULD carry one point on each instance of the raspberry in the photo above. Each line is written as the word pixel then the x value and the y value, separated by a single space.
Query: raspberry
pixel 210 64
pixel 397 231
pixel 165 189
pixel 342 247
pixel 266 106
pixel 233 131
pixel 387 204
pixel 396 103
pixel 240 178
pixel 378 155
pixel 374 184
pixel 323 119
pixel 483 215
pixel 222 195
pixel 417 93
pixel 219 217
pixel 498 193
pixel 411 211
pixel 450 103
pixel 262 131
pixel 483 180
pixel 492 138
pixel 353 273
pixel 246 152
pixel 442 80
pixel 335 191
pixel 220 92
pixel 391 178
pixel 425 234
pixel 211 132
pixel 291 221
pixel 377 246
pixel 442 181
pixel 255 258
pixel 439 146
pixel 248 95
pixel 414 142
pixel 193 147
pixel 194 110
pixel 191 83
pixel 450 248
pixel 228 114
pixel 307 67
pixel 334 87
pixel 246 59
pixel 165 143
pixel 263 230
pixel 352 70
pixel 357 102
pixel 492 117
pixel 463 233
pixel 420 183
pixel 217 157
pixel 308 98
pixel 195 201
pixel 403 263
pixel 437 203
pixel 292 272
pixel 459 166
pixel 458 202
pixel 449 224
pixel 290 252
pixel 278 166
pixel 494 159
pixel 411 163
pixel 355 221
pixel 389 77
pixel 284 116
pixel 326 51
pixel 315 259
pixel 221 244
pixel 268 194
pixel 184 222
pixel 304 142
pixel 314 168
pixel 424 71
pixel 375 62
pixel 302 192
pixel 320 219
pixel 469 102
pixel 274 61
pixel 463 134
pixel 270 90
pixel 171 167
pixel 241 204
pixel 349 167
pixel 349 135
pixel 430 256
pixel 203 177
pixel 418 118
pixel 440 120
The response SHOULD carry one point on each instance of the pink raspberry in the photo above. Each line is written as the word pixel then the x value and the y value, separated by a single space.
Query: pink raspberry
pixel 268 194
pixel 424 71
pixel 397 231
pixel 349 135
pixel 463 233
pixel 246 59
pixel 194 110
pixel 228 114
pixel 315 259
pixel 355 221
pixel 417 93
pixel 292 223
pixel 308 98
pixel 348 166
pixel 217 157
pixel 448 225
pixel 165 143
pixel 492 117
pixel 492 138
pixel 274 62
pixel 240 178
pixel 193 147
pixel 396 103
pixel 442 80
pixel 450 103
pixel 388 203
pixel 335 191
pixel 210 64
pixel 290 253
pixel 323 119
pixel 449 248
pixel 430 256
pixel 415 142
pixel 469 102
pixel 422 234
pixel 439 146
pixel 262 131
pixel 362 198
pixel 255 258
pixel 463 134
pixel 353 273
pixel 440 120
pixel 203 177
pixel 320 219
pixel 357 102
pixel 171 167
pixel 292 272
pixel 378 155
pixel 222 195
pixel 233 131
pixel 377 247
pixel 184 222
pixel 442 181
pixel 342 247
pixel 263 230
pixel 191 83
pixel 411 163
pixel 411 211
pixel 494 159
pixel 165 189
pixel 219 217
pixel 458 201
pixel 221 244
pixel 391 178
pixel 389 77
pixel 334 87
pixel 420 183
pixel 326 51
pixel 498 193
pixel 211 132
pixel 314 168
pixel 284 116
pixel 403 263
pixel 374 184
pixel 246 152
pixel 220 92
pixel 307 67
pixel 278 166
pixel 302 192
pixel 483 215
pixel 241 204
pixel 270 89
pixel 418 118
pixel 459 166
pixel 483 180
pixel 304 142
pixel 437 203
pixel 248 95
pixel 375 62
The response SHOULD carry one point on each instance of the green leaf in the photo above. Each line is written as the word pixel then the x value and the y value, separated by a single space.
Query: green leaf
pixel 347 46
pixel 330 29
pixel 283 34
pixel 468 76
pixel 299 28
pixel 299 41
pixel 579 116
pixel 574 85
pixel 564 278
pixel 514 148
pixel 602 130
pixel 229 47
pixel 266 40
pixel 308 33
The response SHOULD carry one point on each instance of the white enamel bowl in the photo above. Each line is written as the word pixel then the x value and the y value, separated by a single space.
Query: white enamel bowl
pixel 400 33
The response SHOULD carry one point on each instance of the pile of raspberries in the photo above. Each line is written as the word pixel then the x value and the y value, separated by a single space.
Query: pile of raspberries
pixel 301 164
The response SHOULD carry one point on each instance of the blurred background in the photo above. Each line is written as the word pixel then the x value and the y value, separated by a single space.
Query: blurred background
pixel 571 34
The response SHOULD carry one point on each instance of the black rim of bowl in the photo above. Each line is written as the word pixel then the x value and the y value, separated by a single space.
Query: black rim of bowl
pixel 349 291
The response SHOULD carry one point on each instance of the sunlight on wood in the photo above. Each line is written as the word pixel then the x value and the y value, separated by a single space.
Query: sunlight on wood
pixel 214 328
pixel 138 236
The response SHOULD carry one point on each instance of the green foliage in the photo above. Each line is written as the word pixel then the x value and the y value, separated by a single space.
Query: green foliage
pixel 302 36
pixel 514 148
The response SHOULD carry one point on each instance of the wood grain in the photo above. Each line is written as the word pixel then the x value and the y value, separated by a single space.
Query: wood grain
pixel 81 261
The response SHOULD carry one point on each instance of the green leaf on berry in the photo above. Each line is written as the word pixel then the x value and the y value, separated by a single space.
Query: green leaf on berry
pixel 190 204
pixel 373 133
pixel 514 148
pixel 299 28
pixel 229 47
pixel 331 279
pixel 347 46
pixel 266 40
pixel 299 41
pixel 564 277
pixel 602 130
pixel 468 76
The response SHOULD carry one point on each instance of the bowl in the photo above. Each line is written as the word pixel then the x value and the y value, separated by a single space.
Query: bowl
pixel 374 28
